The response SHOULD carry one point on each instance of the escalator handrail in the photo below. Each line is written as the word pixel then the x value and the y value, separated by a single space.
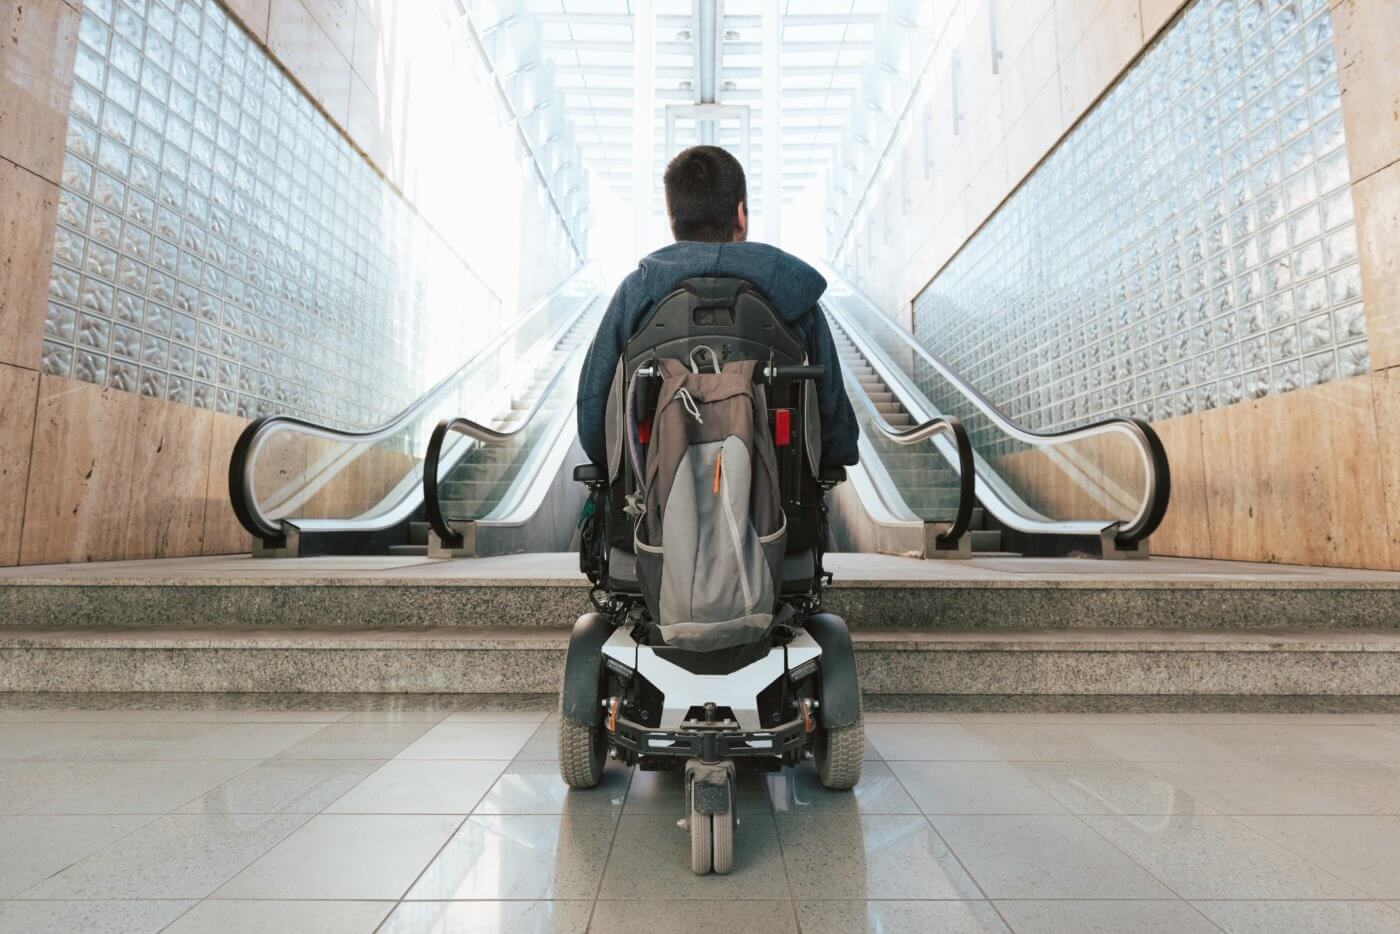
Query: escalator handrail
pixel 250 441
pixel 432 501
pixel 1157 470
pixel 941 424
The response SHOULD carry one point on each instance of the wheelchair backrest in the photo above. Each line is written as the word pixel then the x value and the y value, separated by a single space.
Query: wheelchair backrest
pixel 707 323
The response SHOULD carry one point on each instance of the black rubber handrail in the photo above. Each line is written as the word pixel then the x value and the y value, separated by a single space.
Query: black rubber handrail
pixel 967 467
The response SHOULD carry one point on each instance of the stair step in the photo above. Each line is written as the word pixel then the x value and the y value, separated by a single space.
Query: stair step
pixel 1075 661
pixel 546 590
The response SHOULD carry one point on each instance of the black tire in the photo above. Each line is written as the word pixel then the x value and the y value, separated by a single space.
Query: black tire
pixel 839 753
pixel 583 751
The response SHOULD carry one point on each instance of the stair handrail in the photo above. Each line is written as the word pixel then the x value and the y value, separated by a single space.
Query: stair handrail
pixel 1156 469
pixel 941 424
pixel 250 441
pixel 485 434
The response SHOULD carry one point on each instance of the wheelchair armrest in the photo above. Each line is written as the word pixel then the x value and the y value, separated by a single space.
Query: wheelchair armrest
pixel 831 476
pixel 590 474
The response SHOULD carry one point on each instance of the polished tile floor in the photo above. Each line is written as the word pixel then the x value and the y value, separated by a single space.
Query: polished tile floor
pixel 446 815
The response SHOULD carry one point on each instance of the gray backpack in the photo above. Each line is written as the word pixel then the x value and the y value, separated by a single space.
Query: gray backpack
pixel 710 536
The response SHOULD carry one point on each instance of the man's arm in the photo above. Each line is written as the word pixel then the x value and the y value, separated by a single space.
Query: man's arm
pixel 840 432
pixel 599 366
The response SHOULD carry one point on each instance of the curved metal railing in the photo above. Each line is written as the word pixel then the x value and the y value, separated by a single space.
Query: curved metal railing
pixel 250 442
pixel 1156 470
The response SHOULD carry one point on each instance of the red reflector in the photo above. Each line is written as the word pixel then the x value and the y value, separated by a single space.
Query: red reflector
pixel 782 427
pixel 644 432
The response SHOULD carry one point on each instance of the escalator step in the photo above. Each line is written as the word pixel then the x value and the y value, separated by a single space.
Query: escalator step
pixel 418 533
pixel 408 551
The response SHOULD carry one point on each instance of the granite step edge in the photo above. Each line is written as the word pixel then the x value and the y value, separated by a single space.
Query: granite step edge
pixel 556 639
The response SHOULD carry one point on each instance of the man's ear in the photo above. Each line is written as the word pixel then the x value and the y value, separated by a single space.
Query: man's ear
pixel 741 223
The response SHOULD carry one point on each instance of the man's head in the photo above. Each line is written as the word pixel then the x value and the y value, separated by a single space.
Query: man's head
pixel 706 197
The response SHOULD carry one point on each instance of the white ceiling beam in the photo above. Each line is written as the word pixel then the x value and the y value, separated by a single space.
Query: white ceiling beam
pixel 584 19
pixel 643 126
pixel 772 120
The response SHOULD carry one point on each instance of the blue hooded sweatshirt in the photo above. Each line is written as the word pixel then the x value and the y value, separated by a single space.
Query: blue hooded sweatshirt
pixel 792 287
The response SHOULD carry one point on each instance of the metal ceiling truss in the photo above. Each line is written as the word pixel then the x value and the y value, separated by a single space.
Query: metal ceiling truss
pixel 796 91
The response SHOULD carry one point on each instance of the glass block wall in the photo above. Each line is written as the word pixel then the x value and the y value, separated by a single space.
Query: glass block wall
pixel 221 244
pixel 1189 245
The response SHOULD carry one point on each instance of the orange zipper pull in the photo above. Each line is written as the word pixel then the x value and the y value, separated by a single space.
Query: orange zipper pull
pixel 719 459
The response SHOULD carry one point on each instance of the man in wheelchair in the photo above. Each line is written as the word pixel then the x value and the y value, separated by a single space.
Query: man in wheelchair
pixel 712 408
pixel 706 202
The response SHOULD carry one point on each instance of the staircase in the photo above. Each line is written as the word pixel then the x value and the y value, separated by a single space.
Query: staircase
pixel 1178 628
pixel 925 481
pixel 486 472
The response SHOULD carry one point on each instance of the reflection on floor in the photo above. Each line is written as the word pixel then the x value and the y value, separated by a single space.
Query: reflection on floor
pixel 234 813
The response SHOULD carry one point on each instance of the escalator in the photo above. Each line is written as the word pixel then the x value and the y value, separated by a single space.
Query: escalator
pixel 304 489
pixel 480 463
pixel 1099 489
pixel 929 482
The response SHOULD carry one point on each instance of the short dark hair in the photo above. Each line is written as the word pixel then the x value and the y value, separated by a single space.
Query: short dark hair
pixel 704 188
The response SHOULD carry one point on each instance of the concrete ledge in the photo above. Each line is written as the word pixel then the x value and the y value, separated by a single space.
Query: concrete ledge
pixel 464 660
pixel 340 603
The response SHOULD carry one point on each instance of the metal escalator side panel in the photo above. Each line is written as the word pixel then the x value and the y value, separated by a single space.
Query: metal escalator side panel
pixel 323 480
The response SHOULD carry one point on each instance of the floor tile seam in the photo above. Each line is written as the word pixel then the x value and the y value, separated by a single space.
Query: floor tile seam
pixel 1338 901
pixel 19 896
pixel 175 920
pixel 1192 727
pixel 306 819
pixel 1143 762
pixel 218 885
pixel 269 759
pixel 616 824
pixel 1130 858
pixel 1236 819
pixel 1243 827
pixel 952 852
pixel 176 811
pixel 417 877
pixel 1194 908
pixel 241 898
pixel 1063 805
pixel 193 723
pixel 782 851
pixel 607 859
